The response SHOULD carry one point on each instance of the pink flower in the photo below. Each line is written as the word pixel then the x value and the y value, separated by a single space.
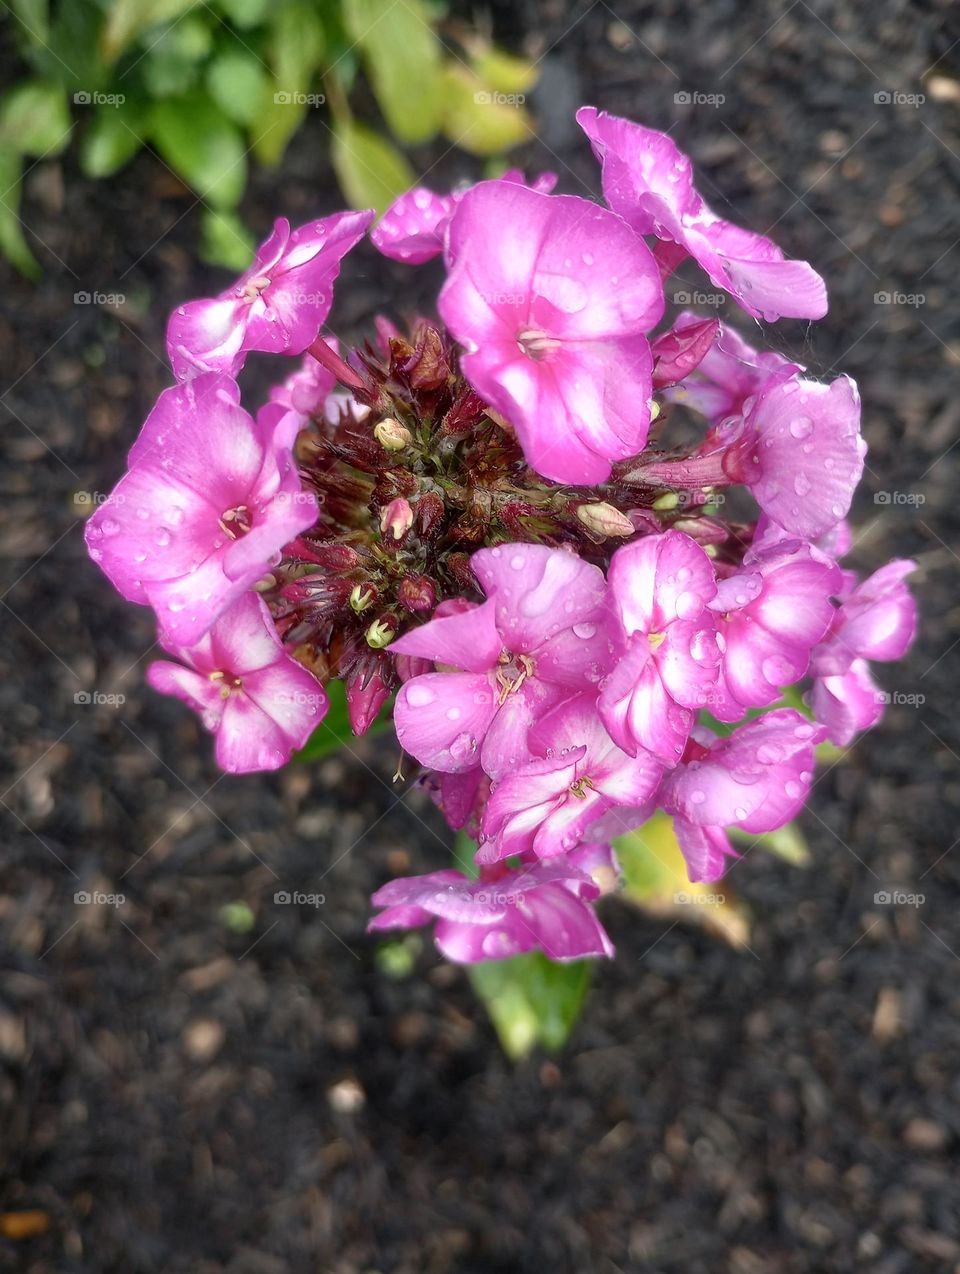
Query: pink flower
pixel 770 615
pixel 306 390
pixel 876 620
pixel 729 373
pixel 210 498
pixel 576 773
pixel 277 306
pixel 649 181
pixel 550 297
pixel 660 588
pixel 414 227
pixel 757 779
pixel 538 638
pixel 544 907
pixel 260 703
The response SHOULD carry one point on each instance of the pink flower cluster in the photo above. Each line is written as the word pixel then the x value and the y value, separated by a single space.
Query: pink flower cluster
pixel 616 645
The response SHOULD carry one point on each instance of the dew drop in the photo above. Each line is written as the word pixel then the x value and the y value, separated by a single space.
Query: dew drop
pixel 419 696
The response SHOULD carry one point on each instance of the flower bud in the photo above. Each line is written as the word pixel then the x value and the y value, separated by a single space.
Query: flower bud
pixel 417 593
pixel 392 435
pixel 397 518
pixel 366 695
pixel 604 519
pixel 362 597
pixel 667 501
pixel 430 512
pixel 380 633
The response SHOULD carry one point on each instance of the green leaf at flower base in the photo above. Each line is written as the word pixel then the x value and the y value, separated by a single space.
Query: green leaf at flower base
pixel 403 59
pixel 531 1000
pixel 334 731
pixel 476 119
pixel 13 245
pixel 788 843
pixel 203 147
pixel 34 119
pixel 226 240
pixel 371 172
pixel 115 135
pixel 655 879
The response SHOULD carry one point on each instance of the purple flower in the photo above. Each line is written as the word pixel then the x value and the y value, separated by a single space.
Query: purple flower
pixel 660 589
pixel 729 373
pixel 414 227
pixel 538 638
pixel 544 907
pixel 306 390
pixel 550 297
pixel 277 306
pixel 876 620
pixel 770 615
pixel 260 703
pixel 649 181
pixel 209 499
pixel 575 774
pixel 757 779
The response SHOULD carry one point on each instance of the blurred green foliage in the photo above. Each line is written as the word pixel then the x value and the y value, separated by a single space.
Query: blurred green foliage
pixel 214 84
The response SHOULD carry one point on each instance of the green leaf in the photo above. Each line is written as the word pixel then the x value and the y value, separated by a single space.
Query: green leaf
pixel 34 119
pixel 296 48
pixel 531 999
pixel 13 245
pixel 464 849
pixel 114 136
pixel 226 240
pixel 334 730
pixel 502 71
pixel 655 879
pixel 128 19
pixel 479 119
pixel 788 843
pixel 204 148
pixel 236 81
pixel 34 17
pixel 371 172
pixel 403 58
pixel 245 13
pixel 172 62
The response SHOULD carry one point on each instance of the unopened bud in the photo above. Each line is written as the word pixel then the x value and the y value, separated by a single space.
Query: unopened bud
pixel 397 518
pixel 380 633
pixel 604 519
pixel 392 435
pixel 417 593
pixel 365 698
pixel 670 500
pixel 362 597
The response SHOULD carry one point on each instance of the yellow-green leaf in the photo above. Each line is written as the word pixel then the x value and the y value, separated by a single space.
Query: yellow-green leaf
pixel 371 172
pixel 403 58
pixel 502 71
pixel 655 879
pixel 479 119
pixel 788 843
pixel 13 245
pixel 226 240
pixel 531 1000
pixel 126 19
pixel 34 119
pixel 114 136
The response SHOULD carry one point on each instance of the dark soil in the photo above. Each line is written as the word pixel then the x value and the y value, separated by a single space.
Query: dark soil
pixel 178 1095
